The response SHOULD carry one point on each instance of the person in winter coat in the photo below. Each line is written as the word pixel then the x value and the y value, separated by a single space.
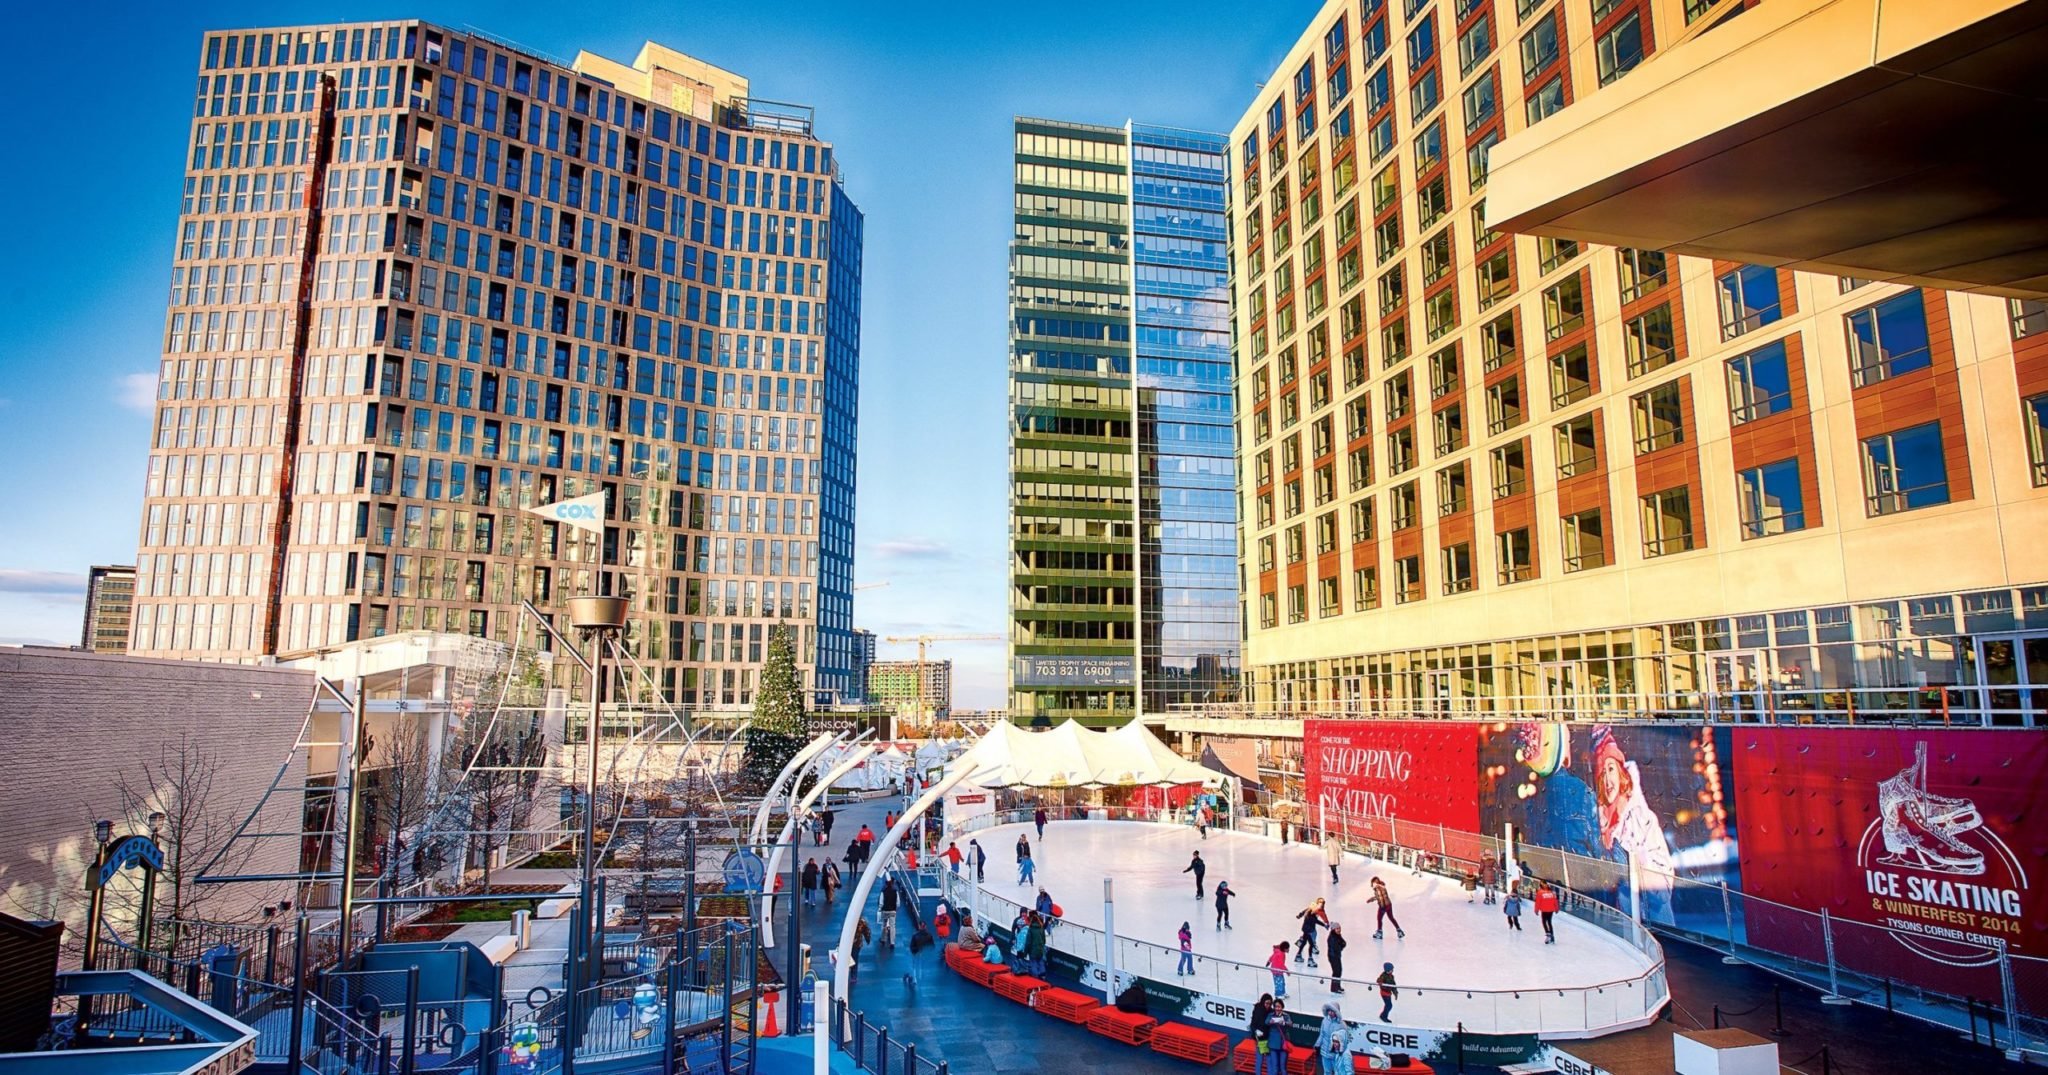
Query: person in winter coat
pixel 1277 963
pixel 1199 868
pixel 1038 818
pixel 1043 905
pixel 1034 946
pixel 953 855
pixel 1333 855
pixel 1546 905
pixel 1223 894
pixel 1387 992
pixel 1187 951
pixel 1512 907
pixel 1202 818
pixel 1335 948
pixel 865 835
pixel 1256 1027
pixel 889 901
pixel 971 939
pixel 810 882
pixel 861 935
pixel 980 859
pixel 1471 883
pixel 1276 1038
pixel 1025 867
pixel 1489 877
pixel 828 877
pixel 825 816
pixel 1333 1040
pixel 1313 918
pixel 1386 911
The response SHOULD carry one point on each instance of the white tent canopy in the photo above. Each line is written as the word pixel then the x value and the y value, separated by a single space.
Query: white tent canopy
pixel 1074 756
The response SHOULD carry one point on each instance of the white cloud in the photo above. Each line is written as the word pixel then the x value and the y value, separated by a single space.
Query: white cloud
pixel 23 581
pixel 913 549
pixel 136 392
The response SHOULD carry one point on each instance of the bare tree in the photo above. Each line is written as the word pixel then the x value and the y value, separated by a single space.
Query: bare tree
pixel 184 782
pixel 402 764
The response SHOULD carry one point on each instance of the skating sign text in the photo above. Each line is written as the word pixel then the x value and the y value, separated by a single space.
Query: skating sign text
pixel 1425 773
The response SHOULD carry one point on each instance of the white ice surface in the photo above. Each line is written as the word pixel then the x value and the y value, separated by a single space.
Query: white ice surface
pixel 1451 947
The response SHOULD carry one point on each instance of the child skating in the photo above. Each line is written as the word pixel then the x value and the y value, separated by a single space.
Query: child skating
pixel 1312 917
pixel 1223 894
pixel 1385 912
pixel 1512 908
pixel 1277 963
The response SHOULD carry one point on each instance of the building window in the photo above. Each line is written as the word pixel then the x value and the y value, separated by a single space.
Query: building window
pixel 1564 307
pixel 1403 506
pixel 1515 557
pixel 1759 383
pixel 1510 469
pixel 1386 239
pixel 1297 604
pixel 1642 271
pixel 1400 393
pixel 1421 44
pixel 1450 429
pixel 1379 139
pixel 1475 44
pixel 1904 470
pixel 1772 502
pixel 2034 415
pixel 1443 372
pixel 1577 448
pixel 1480 103
pixel 1749 299
pixel 1667 522
pixel 1497 342
pixel 1393 290
pixel 1432 202
pixel 1584 547
pixel 1478 157
pixel 1888 339
pixel 1453 484
pixel 1359 466
pixel 1425 94
pixel 1297 550
pixel 1436 256
pixel 1365 588
pixel 1266 562
pixel 1364 527
pixel 1620 49
pixel 1551 253
pixel 1504 405
pixel 1571 376
pixel 1440 313
pixel 1326 533
pixel 1394 343
pixel 1407 579
pixel 1328 601
pixel 1547 101
pixel 1386 186
pixel 1269 606
pixel 1539 47
pixel 1496 278
pixel 1659 418
pixel 2029 317
pixel 1651 340
pixel 1457 567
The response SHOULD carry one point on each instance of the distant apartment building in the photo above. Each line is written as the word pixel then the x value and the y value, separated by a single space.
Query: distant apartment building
pixel 1123 535
pixel 863 659
pixel 424 281
pixel 1489 474
pixel 894 686
pixel 109 606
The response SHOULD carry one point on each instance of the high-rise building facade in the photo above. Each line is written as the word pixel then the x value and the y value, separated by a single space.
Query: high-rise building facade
pixel 899 685
pixel 1123 529
pixel 425 280
pixel 863 657
pixel 1491 474
pixel 109 608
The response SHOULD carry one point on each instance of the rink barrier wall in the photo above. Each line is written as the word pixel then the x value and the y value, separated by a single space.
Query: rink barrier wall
pixel 1220 989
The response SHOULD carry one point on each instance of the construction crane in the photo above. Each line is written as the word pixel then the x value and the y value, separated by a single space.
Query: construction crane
pixel 925 640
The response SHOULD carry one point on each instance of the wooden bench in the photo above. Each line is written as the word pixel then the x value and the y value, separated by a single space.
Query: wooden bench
pixel 1018 987
pixel 1186 1042
pixel 1301 1060
pixel 1127 1027
pixel 1066 1004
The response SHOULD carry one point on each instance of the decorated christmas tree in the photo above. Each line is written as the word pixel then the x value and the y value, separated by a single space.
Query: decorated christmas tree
pixel 782 723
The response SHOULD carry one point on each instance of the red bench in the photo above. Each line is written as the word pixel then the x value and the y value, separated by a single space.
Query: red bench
pixel 1204 1047
pixel 1301 1060
pixel 971 967
pixel 1413 1067
pixel 1066 1004
pixel 1018 987
pixel 1127 1027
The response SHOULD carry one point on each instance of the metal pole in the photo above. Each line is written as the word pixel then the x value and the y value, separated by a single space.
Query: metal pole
pixel 689 881
pixel 270 956
pixel 95 901
pixel 1109 938
pixel 149 910
pixel 794 959
pixel 1635 888
pixel 725 1024
pixel 594 916
pixel 408 1052
pixel 353 806
pixel 1728 925
pixel 2012 1051
pixel 1827 933
pixel 294 1046
pixel 821 1043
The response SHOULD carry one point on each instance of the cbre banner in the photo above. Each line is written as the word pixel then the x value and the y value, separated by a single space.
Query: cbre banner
pixel 1425 772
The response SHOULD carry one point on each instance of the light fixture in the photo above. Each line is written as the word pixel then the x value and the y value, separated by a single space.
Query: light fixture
pixel 103 830
pixel 156 823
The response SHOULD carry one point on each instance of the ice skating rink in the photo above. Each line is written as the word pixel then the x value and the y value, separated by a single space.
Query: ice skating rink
pixel 1518 983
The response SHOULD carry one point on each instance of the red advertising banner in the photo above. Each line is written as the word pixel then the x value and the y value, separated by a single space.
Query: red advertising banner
pixel 1920 832
pixel 1425 772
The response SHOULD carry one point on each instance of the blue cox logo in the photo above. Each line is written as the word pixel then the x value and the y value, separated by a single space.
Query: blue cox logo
pixel 575 511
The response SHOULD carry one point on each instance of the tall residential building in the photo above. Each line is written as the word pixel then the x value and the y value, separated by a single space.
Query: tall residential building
pixel 1491 474
pixel 1123 520
pixel 109 607
pixel 863 658
pixel 425 280
pixel 894 685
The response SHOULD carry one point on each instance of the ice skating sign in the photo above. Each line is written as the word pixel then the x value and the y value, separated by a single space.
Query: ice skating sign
pixel 1948 886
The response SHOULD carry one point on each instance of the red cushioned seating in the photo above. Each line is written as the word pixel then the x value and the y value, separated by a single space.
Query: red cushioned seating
pixel 1127 1027
pixel 1066 1004
pixel 1018 987
pixel 1204 1047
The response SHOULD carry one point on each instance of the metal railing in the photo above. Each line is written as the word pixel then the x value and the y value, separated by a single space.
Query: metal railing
pixel 872 1049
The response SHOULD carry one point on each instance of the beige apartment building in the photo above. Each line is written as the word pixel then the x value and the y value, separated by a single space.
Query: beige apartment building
pixel 1490 474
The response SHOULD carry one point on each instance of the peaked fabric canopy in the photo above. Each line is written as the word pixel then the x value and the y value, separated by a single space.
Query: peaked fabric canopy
pixel 1072 756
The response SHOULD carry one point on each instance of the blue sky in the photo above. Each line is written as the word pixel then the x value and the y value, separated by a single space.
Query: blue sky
pixel 917 96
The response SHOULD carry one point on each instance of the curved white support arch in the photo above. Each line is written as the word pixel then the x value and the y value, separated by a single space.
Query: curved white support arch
pixel 843 951
pixel 851 762
pixel 811 750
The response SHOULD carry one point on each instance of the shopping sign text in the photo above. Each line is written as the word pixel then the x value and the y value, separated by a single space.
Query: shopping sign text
pixel 1345 764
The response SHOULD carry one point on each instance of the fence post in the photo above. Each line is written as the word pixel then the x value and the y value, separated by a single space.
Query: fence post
pixel 1827 934
pixel 294 1048
pixel 821 1020
pixel 882 1050
pixel 408 1053
pixel 2012 1021
pixel 384 1054
pixel 860 1039
pixel 1778 1007
pixel 909 1058
pixel 1728 925
pixel 270 956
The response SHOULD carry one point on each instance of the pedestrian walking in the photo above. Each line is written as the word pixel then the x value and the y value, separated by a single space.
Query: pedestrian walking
pixel 865 835
pixel 1512 907
pixel 1199 868
pixel 1276 1037
pixel 1385 914
pixel 826 817
pixel 1387 992
pixel 810 882
pixel 852 856
pixel 1546 905
pixel 1335 948
pixel 888 819
pixel 889 904
pixel 980 860
pixel 1333 854
pixel 829 877
pixel 953 856
pixel 1312 918
pixel 1187 951
pixel 1277 963
pixel 1223 894
pixel 1038 818
pixel 1333 1041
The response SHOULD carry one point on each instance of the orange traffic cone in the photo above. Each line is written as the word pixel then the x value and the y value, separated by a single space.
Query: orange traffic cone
pixel 771 1030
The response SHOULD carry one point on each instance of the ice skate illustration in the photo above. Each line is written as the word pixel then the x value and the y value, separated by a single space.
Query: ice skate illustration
pixel 1920 828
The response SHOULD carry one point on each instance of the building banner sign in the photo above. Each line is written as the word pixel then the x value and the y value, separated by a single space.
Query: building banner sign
pixel 1075 672
pixel 1922 832
pixel 1424 772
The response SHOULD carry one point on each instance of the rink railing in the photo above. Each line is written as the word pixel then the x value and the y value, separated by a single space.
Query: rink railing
pixel 1572 1011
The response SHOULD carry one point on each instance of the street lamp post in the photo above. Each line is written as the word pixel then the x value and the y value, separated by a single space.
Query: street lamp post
pixel 102 831
pixel 600 618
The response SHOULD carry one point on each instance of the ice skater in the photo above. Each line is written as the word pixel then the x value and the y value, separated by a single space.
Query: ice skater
pixel 1312 917
pixel 1187 951
pixel 1387 992
pixel 1334 948
pixel 1223 894
pixel 1277 963
pixel 1025 868
pixel 1202 816
pixel 1489 877
pixel 1471 884
pixel 1385 914
pixel 1512 908
pixel 1546 906
pixel 980 860
pixel 1333 854
pixel 1199 868
pixel 1038 819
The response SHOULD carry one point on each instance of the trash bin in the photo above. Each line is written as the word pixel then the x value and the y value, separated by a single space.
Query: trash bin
pixel 522 929
pixel 222 961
